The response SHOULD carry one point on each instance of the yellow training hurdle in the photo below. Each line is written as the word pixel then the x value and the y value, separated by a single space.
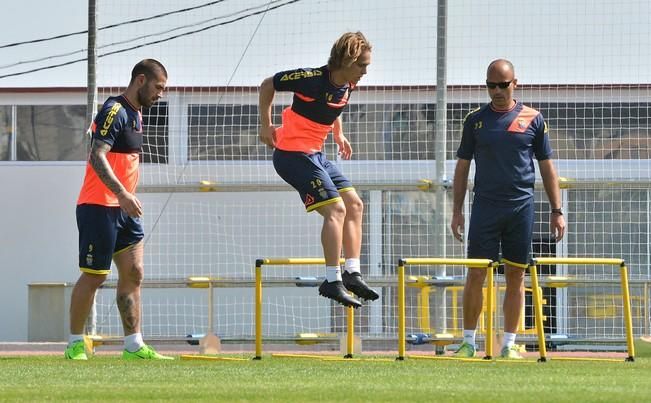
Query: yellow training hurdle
pixel 258 303
pixel 537 299
pixel 490 300
pixel 473 263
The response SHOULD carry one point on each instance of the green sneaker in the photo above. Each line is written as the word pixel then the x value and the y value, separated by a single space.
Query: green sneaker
pixel 511 353
pixel 76 351
pixel 466 350
pixel 145 353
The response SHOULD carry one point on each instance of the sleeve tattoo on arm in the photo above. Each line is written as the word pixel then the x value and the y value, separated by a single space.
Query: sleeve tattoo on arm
pixel 102 168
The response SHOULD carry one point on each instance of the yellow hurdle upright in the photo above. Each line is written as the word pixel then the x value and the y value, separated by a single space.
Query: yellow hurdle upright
pixel 487 264
pixel 258 299
pixel 537 297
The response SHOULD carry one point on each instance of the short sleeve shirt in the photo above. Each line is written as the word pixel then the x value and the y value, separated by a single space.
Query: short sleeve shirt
pixel 503 145
pixel 316 104
pixel 119 125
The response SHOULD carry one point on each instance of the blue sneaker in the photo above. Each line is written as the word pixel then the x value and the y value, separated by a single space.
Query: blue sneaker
pixel 145 353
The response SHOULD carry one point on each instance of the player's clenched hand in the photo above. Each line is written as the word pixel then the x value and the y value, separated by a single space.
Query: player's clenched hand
pixel 130 204
pixel 268 135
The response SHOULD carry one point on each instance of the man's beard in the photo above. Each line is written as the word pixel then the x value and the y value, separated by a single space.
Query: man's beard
pixel 145 102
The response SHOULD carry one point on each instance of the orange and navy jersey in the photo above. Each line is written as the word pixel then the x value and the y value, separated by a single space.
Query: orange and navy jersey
pixel 316 105
pixel 503 144
pixel 119 125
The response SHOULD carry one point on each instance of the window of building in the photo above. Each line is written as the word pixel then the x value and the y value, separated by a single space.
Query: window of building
pixel 51 133
pixel 5 132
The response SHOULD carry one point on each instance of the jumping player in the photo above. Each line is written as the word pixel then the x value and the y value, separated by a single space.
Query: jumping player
pixel 320 96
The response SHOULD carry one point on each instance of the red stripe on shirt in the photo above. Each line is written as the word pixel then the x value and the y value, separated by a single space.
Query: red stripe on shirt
pixel 523 120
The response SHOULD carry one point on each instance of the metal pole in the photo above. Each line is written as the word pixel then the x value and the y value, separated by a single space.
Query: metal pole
pixel 440 319
pixel 536 291
pixel 628 319
pixel 490 304
pixel 258 309
pixel 91 102
pixel 401 311
pixel 350 337
pixel 375 256
pixel 91 80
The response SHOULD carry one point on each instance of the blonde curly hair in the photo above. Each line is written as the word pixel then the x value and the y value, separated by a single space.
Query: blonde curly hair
pixel 347 49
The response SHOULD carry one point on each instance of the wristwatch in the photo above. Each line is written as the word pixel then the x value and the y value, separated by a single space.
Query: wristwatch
pixel 558 211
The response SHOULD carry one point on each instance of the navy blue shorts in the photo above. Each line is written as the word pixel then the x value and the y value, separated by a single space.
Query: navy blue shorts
pixel 493 224
pixel 104 231
pixel 317 180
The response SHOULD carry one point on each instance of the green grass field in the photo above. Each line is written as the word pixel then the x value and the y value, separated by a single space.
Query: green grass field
pixel 37 378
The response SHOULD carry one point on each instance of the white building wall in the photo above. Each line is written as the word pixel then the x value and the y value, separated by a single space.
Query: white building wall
pixel 38 235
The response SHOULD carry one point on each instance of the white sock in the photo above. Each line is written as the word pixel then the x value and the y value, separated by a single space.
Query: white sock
pixel 75 337
pixel 509 340
pixel 469 336
pixel 333 273
pixel 133 342
pixel 352 265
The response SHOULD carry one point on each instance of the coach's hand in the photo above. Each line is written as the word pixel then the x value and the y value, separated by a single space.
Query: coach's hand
pixel 457 225
pixel 130 204
pixel 557 226
pixel 268 135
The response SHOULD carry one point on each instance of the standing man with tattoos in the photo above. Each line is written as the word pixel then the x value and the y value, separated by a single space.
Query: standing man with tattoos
pixel 109 216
